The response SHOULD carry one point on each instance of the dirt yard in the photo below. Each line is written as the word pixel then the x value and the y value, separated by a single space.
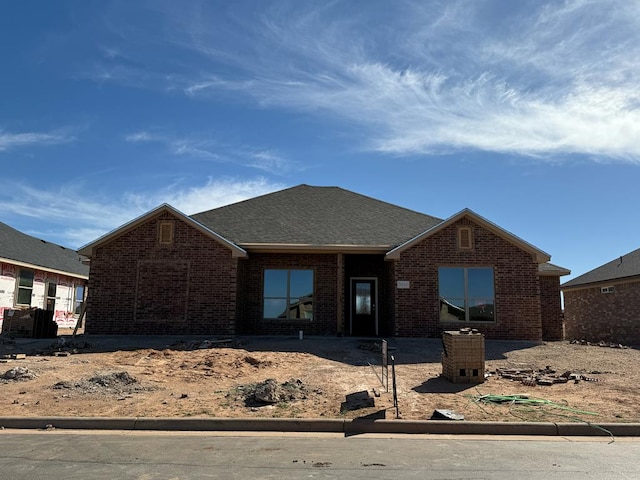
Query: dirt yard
pixel 310 378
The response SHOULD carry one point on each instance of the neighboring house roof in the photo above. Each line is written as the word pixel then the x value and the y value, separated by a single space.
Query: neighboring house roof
pixel 541 257
pixel 324 217
pixel 88 249
pixel 623 267
pixel 22 249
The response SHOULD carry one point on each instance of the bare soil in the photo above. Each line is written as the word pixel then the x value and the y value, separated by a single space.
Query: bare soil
pixel 309 378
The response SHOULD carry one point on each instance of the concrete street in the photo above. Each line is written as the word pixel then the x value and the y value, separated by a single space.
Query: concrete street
pixel 74 455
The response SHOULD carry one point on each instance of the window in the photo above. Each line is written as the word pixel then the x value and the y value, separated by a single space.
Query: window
pixel 79 299
pixel 50 297
pixel 25 287
pixel 166 233
pixel 288 294
pixel 607 289
pixel 466 294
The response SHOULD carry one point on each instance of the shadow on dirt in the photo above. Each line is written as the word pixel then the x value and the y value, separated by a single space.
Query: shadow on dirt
pixel 441 385
pixel 348 350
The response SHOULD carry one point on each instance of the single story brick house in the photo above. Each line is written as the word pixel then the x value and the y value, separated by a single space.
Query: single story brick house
pixel 604 303
pixel 323 260
pixel 35 273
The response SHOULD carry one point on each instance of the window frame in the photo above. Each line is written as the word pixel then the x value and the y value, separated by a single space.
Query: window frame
pixel 78 304
pixel 20 287
pixel 467 299
pixel 288 296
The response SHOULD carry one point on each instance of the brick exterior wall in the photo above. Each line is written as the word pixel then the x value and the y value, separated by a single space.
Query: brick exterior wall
pixel 325 301
pixel 611 317
pixel 517 285
pixel 194 286
pixel 551 308
pixel 138 286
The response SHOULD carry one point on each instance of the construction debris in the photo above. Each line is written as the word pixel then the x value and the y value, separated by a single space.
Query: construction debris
pixel 17 374
pixel 601 343
pixel 544 377
pixel 14 356
pixel 443 414
pixel 356 401
pixel 203 344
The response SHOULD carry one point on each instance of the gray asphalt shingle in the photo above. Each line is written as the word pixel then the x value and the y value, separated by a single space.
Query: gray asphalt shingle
pixel 622 267
pixel 306 215
pixel 18 246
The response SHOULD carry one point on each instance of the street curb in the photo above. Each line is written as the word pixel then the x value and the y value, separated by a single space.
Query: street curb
pixel 346 426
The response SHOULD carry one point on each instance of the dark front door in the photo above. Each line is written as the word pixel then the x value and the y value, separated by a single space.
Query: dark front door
pixel 364 317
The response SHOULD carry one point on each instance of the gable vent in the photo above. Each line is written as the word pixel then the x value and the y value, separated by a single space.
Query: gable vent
pixel 465 238
pixel 166 233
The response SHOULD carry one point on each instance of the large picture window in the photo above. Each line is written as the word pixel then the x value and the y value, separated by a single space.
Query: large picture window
pixel 288 294
pixel 466 294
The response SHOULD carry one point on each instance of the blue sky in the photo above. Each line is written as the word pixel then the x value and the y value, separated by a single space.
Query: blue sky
pixel 526 112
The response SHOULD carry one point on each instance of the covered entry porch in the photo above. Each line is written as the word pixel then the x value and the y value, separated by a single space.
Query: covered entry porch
pixel 367 292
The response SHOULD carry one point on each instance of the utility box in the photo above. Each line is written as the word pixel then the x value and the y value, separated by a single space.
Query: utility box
pixel 463 356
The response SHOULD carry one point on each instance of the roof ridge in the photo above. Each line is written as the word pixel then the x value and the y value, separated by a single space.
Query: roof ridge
pixel 388 203
pixel 239 202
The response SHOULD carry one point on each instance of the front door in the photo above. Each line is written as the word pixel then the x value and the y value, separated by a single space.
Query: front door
pixel 364 312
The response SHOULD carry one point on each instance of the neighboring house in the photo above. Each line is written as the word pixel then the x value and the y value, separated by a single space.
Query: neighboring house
pixel 604 304
pixel 39 274
pixel 322 260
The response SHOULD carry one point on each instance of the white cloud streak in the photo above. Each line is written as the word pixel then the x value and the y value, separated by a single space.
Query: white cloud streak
pixel 75 218
pixel 9 141
pixel 208 149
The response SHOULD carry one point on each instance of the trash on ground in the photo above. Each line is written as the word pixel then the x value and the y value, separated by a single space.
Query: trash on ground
pixel 443 414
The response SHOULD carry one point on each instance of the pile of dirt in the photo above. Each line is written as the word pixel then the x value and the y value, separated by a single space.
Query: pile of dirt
pixel 117 383
pixel 17 374
pixel 270 392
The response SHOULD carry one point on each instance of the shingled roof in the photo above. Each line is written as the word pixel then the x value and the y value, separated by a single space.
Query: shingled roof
pixel 623 267
pixel 20 247
pixel 316 216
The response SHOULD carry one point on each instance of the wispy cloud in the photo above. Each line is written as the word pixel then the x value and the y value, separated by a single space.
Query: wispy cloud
pixel 531 78
pixel 72 217
pixel 209 149
pixel 269 162
pixel 10 141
